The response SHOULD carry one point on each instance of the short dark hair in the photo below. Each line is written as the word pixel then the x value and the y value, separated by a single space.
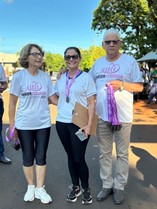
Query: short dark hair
pixel 25 52
pixel 74 48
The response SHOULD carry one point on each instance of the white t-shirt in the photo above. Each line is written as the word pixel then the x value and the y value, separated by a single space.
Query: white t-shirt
pixel 2 77
pixel 33 91
pixel 82 88
pixel 126 69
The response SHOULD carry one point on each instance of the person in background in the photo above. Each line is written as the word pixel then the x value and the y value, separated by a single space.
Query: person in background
pixel 145 80
pixel 153 88
pixel 120 71
pixel 3 86
pixel 32 123
pixel 75 86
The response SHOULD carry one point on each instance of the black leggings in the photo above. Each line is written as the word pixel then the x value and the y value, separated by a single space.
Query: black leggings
pixel 34 145
pixel 75 150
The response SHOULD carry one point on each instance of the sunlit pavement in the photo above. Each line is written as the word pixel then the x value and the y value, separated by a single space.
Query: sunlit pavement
pixel 140 192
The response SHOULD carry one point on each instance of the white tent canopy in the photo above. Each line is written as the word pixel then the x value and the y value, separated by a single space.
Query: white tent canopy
pixel 150 57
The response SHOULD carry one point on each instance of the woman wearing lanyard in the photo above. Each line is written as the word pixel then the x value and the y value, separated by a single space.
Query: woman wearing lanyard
pixel 75 86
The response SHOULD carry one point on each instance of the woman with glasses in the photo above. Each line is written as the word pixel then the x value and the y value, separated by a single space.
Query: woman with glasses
pixel 32 124
pixel 75 86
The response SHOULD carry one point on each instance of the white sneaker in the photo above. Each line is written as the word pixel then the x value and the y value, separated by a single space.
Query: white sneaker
pixel 40 193
pixel 29 196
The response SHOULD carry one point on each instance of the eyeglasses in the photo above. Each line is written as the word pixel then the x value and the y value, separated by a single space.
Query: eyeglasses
pixel 111 41
pixel 74 57
pixel 36 54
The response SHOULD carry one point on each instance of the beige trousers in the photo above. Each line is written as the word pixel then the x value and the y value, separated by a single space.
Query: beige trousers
pixel 105 140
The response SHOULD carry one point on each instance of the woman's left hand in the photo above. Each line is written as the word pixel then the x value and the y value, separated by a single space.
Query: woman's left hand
pixel 86 130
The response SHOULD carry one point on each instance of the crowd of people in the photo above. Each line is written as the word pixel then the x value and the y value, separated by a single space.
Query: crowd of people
pixel 107 90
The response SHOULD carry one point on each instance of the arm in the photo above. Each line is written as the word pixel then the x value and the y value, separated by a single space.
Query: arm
pixel 91 112
pixel 61 71
pixel 12 109
pixel 128 86
pixel 53 99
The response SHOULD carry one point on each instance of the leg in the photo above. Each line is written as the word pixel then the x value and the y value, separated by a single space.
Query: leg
pixel 1 139
pixel 28 152
pixel 105 141
pixel 78 169
pixel 27 144
pixel 79 149
pixel 65 137
pixel 3 159
pixel 29 174
pixel 41 146
pixel 122 141
pixel 40 175
pixel 42 141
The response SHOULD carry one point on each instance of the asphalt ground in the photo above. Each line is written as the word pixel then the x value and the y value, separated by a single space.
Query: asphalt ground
pixel 140 192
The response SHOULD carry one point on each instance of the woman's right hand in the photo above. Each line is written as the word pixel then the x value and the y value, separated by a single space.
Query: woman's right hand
pixel 15 134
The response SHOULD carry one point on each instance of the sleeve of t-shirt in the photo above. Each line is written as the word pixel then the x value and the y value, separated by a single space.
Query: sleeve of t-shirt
pixel 135 72
pixel 90 86
pixel 91 71
pixel 14 88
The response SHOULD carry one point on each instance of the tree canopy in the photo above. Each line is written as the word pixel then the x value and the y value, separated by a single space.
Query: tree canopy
pixel 133 19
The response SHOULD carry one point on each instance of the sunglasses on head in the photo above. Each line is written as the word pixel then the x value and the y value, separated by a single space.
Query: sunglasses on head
pixel 111 41
pixel 74 57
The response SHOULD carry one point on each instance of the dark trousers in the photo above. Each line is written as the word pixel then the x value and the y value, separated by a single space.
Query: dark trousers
pixel 75 150
pixel 1 126
pixel 34 144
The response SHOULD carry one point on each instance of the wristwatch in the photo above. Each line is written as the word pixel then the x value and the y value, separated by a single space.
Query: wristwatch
pixel 122 87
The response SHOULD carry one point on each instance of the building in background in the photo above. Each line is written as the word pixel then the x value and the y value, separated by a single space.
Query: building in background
pixel 9 63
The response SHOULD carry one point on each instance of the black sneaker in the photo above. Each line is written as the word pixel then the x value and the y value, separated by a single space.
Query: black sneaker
pixel 72 196
pixel 86 196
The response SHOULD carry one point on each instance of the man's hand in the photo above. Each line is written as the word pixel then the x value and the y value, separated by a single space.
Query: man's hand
pixel 116 84
pixel 62 70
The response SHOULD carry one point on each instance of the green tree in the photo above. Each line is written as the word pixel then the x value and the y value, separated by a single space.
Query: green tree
pixel 89 56
pixel 53 62
pixel 152 4
pixel 132 18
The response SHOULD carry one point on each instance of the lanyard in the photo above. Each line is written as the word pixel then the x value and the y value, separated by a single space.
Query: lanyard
pixel 68 86
pixel 11 135
pixel 112 107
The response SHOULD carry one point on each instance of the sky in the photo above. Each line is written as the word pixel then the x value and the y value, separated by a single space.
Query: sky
pixel 52 24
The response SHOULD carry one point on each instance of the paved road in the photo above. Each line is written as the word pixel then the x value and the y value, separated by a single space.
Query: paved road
pixel 141 190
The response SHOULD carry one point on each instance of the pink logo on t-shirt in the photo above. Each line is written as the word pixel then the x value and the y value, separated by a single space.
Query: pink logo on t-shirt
pixel 112 68
pixel 34 86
